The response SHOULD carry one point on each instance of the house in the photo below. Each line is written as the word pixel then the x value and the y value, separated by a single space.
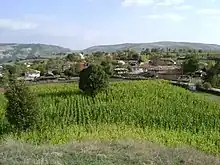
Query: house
pixel 167 61
pixel 162 61
pixel 49 74
pixel 120 70
pixel 1 75
pixel 133 62
pixel 28 64
pixel 82 56
pixel 138 70
pixel 32 74
pixel 120 62
pixel 199 73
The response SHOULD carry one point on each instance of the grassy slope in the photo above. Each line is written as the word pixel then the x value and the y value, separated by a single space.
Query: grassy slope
pixel 102 153
pixel 146 110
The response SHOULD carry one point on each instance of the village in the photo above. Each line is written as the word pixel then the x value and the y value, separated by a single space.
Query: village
pixel 132 66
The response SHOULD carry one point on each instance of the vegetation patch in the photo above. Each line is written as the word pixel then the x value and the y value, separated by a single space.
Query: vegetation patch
pixel 99 153
pixel 152 110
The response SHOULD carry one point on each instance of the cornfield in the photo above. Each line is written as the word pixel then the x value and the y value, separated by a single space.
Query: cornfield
pixel 145 105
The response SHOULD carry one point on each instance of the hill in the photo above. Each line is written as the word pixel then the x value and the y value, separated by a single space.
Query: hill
pixel 165 44
pixel 13 51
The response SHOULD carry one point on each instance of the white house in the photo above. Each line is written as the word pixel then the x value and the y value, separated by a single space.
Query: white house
pixel 28 65
pixel 121 70
pixel 32 74
pixel 138 70
pixel 120 62
pixel 82 56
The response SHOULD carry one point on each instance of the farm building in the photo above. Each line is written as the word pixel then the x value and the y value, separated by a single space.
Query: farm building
pixel 32 74
pixel 120 62
pixel 120 71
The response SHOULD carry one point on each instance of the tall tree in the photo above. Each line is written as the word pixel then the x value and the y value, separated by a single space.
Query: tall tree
pixel 191 64
pixel 93 80
pixel 22 108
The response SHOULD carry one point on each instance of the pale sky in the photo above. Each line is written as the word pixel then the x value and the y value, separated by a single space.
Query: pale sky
pixel 78 24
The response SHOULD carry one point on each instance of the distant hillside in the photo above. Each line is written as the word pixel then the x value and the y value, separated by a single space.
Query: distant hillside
pixel 140 46
pixel 12 51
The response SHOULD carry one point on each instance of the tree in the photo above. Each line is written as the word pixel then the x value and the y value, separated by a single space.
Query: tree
pixel 42 69
pixel 11 69
pixel 212 75
pixel 70 72
pixel 55 72
pixel 108 68
pixel 93 80
pixel 98 54
pixel 191 64
pixel 72 57
pixel 200 51
pixel 22 109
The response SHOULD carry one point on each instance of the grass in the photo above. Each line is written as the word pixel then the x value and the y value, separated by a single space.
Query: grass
pixel 143 110
pixel 101 152
pixel 209 96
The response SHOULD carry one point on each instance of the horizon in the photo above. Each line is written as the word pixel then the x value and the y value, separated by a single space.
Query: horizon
pixel 116 44
pixel 81 24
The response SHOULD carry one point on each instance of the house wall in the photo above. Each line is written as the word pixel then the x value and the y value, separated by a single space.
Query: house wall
pixel 32 76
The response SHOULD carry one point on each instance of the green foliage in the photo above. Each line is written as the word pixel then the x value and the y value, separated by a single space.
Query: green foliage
pixel 22 110
pixel 40 67
pixel 93 79
pixel 215 81
pixel 98 54
pixel 199 85
pixel 191 64
pixel 55 72
pixel 71 72
pixel 108 67
pixel 11 69
pixel 72 57
pixel 207 85
pixel 212 75
pixel 146 110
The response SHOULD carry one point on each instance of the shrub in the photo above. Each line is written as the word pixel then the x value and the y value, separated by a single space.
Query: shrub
pixel 93 79
pixel 199 85
pixel 70 72
pixel 207 85
pixel 22 110
pixel 55 72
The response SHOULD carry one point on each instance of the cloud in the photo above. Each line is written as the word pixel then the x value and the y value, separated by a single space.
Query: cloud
pixel 209 12
pixel 128 3
pixel 39 17
pixel 16 24
pixel 170 2
pixel 183 7
pixel 172 17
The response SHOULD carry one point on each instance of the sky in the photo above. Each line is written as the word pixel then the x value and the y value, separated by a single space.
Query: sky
pixel 78 24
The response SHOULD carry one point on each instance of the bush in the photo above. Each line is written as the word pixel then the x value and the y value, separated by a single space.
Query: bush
pixel 199 85
pixel 93 79
pixel 22 110
pixel 70 72
pixel 207 85
pixel 55 72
